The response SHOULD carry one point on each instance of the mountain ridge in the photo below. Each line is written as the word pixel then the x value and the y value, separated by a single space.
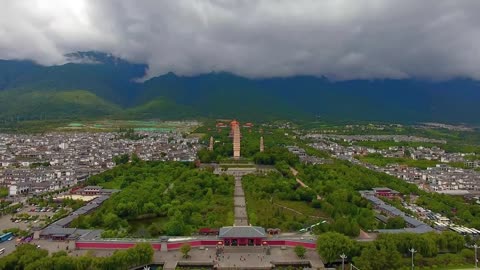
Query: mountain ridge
pixel 113 81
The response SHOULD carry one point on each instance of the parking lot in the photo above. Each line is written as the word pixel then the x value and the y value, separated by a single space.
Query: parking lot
pixel 40 211
pixel 6 221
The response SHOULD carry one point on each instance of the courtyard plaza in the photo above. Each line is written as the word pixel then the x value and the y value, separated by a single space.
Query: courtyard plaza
pixel 241 257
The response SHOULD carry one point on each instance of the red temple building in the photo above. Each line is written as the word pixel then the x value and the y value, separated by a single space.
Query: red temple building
pixel 208 231
pixel 385 192
pixel 242 235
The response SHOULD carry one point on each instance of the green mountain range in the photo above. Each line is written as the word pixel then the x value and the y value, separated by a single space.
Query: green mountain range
pixel 105 86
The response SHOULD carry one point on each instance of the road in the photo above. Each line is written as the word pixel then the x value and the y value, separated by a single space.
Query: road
pixel 9 247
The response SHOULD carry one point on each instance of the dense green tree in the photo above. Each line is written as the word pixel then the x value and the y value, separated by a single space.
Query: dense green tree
pixel 121 159
pixel 155 229
pixel 395 223
pixel 134 158
pixel 206 156
pixel 22 257
pixel 331 245
pixel 43 263
pixel 300 251
pixel 176 225
pixel 3 192
pixel 176 196
pixel 185 249
pixel 150 208
pixel 455 242
pixel 468 255
pixel 346 226
pixel 379 255
pixel 111 221
pixel 366 219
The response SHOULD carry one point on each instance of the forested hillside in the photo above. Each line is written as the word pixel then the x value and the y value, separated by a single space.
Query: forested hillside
pixel 215 95
pixel 41 105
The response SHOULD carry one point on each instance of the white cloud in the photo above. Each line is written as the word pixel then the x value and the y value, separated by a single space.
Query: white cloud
pixel 336 38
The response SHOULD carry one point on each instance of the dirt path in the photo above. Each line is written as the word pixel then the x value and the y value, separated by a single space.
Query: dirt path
pixel 168 188
pixel 295 172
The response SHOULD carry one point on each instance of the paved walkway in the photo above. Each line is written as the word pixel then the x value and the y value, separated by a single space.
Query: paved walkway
pixel 240 209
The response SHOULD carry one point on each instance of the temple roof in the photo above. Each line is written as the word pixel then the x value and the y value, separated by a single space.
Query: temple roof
pixel 242 232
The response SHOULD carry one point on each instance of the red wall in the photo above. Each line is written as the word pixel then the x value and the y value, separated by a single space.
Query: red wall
pixel 156 246
pixel 103 245
pixel 109 245
pixel 296 243
pixel 198 243
pixel 175 245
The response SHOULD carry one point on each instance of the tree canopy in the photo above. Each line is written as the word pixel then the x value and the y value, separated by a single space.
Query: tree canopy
pixel 391 251
pixel 169 198
pixel 29 257
pixel 331 245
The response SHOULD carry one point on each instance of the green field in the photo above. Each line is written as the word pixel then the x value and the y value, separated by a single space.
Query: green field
pixel 379 160
pixel 384 161
pixel 149 126
pixel 86 124
pixel 457 141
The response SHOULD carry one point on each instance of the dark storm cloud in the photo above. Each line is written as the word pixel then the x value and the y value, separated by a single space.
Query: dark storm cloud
pixel 339 39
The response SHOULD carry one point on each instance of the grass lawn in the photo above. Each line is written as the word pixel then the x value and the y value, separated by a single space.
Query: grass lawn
pixel 286 215
pixel 303 208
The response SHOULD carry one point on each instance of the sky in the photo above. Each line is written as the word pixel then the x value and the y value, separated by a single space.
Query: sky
pixel 339 39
